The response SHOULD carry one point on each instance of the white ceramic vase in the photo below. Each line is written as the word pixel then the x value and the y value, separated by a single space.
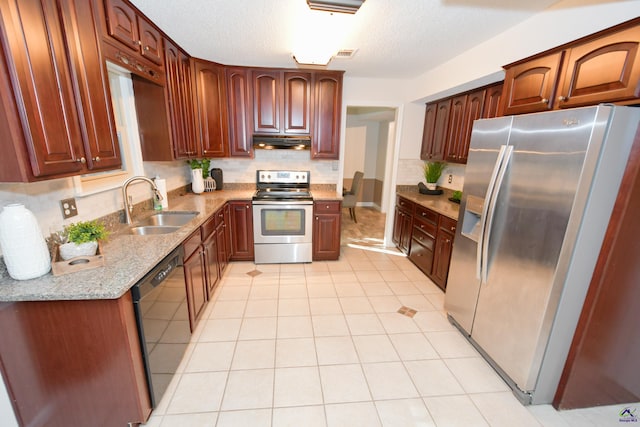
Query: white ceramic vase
pixel 197 182
pixel 432 186
pixel 23 247
pixel 72 250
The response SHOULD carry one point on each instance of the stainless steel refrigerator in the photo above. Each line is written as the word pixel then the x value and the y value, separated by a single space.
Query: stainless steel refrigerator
pixel 538 193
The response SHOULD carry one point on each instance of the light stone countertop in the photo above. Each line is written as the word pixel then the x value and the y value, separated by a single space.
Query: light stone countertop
pixel 127 257
pixel 440 204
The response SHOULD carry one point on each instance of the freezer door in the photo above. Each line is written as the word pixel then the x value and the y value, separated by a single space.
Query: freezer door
pixel 487 138
pixel 515 307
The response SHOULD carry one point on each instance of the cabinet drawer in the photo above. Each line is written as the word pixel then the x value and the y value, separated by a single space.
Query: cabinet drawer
pixel 422 256
pixel 425 227
pixel 208 227
pixel 426 214
pixel 326 207
pixel 405 205
pixel 219 216
pixel 191 243
pixel 423 238
pixel 447 224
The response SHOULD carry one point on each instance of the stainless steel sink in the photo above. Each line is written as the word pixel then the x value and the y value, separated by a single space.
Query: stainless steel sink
pixel 145 230
pixel 177 218
pixel 163 222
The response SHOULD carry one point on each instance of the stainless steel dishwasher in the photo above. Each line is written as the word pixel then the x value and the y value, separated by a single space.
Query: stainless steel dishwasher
pixel 160 304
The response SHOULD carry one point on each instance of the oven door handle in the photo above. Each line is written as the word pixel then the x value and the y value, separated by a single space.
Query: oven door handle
pixel 283 202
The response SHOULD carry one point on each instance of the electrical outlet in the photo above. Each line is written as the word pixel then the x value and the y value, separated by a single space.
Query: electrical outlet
pixel 69 208
pixel 450 180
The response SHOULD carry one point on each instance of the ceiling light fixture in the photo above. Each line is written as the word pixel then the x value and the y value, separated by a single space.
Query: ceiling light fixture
pixel 340 6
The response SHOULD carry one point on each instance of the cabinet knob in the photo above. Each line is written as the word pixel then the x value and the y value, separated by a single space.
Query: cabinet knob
pixel 316 218
pixel 563 98
pixel 139 42
pixel 453 229
pixel 146 48
pixel 328 206
pixel 246 206
pixel 544 100
pixel 96 159
pixel 81 160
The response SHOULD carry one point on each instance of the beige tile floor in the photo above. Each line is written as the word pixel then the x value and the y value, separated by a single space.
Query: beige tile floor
pixel 322 344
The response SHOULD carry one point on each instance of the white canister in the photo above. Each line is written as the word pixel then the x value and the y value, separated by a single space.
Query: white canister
pixel 23 247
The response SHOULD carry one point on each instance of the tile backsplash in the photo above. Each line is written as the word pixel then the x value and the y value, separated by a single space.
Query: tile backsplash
pixel 410 172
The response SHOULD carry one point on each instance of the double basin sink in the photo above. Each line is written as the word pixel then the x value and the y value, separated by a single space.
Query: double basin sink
pixel 163 223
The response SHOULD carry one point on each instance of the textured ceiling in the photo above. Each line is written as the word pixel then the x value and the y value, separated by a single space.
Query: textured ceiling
pixel 394 38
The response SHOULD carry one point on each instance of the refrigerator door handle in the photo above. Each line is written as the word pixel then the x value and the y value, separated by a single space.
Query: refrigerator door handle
pixel 485 209
pixel 486 232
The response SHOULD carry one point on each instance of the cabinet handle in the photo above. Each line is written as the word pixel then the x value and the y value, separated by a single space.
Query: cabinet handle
pixel 423 214
pixel 563 98
pixel 81 160
pixel 316 218
pixel 453 229
pixel 447 240
pixel 139 42
pixel 96 159
pixel 246 206
pixel 544 100
pixel 328 206
pixel 146 48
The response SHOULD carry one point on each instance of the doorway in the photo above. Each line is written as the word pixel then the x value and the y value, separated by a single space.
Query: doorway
pixel 369 145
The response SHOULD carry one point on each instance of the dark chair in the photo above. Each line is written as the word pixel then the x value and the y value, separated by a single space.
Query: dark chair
pixel 350 198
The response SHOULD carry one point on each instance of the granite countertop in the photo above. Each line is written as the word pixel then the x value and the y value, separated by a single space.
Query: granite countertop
pixel 127 257
pixel 325 195
pixel 440 204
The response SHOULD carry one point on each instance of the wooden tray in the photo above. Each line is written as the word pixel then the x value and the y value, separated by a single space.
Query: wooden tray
pixel 79 263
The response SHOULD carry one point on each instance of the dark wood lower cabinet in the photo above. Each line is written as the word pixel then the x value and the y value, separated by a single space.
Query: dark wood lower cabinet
pixel 241 231
pixel 327 218
pixel 73 363
pixel 426 237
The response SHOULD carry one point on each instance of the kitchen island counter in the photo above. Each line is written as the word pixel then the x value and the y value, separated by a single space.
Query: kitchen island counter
pixel 127 257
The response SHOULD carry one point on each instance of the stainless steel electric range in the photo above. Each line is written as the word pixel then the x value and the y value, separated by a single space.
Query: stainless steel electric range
pixel 282 217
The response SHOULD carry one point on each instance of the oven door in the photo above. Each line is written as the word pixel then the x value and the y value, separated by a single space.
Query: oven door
pixel 282 222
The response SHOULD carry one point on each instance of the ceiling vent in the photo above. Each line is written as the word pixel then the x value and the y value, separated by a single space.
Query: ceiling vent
pixel 345 53
pixel 341 6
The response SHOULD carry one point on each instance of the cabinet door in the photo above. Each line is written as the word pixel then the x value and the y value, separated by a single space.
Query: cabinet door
pixel 297 102
pixel 455 133
pixel 326 237
pixel 441 258
pixel 529 87
pixel 223 259
pixel 239 102
pixel 405 233
pixel 210 247
pixel 472 112
pixel 427 132
pixel 212 109
pixel 42 85
pixel 227 230
pixel 439 144
pixel 241 231
pixel 397 227
pixel 327 111
pixel 194 274
pixel 122 23
pixel 150 41
pixel 176 103
pixel 102 150
pixel 492 100
pixel 267 100
pixel 604 70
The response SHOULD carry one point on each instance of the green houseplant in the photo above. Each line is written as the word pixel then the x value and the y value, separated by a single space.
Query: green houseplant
pixel 203 164
pixel 432 173
pixel 82 239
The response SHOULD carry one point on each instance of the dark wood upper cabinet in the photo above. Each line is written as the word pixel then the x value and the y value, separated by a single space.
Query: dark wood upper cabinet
pixel 126 25
pixel 240 112
pixel 455 133
pixel 492 99
pixel 211 109
pixel 327 110
pixel 267 100
pixel 530 87
pixel 297 101
pixel 472 111
pixel 56 107
pixel 602 67
pixel 603 70
pixel 281 101
pixel 434 137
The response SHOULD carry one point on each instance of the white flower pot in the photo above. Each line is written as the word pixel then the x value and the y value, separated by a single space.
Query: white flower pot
pixel 72 250
pixel 197 182
pixel 432 185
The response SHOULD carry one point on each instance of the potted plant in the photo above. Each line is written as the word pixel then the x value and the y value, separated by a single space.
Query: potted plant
pixel 432 172
pixel 456 196
pixel 82 239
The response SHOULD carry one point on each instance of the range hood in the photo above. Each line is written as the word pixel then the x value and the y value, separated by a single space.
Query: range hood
pixel 281 142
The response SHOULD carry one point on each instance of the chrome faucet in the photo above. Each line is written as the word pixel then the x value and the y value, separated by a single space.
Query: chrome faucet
pixel 128 205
